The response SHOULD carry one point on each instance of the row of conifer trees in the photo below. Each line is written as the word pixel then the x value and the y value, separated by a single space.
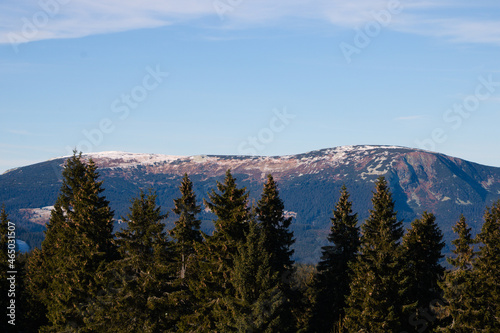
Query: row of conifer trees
pixel 241 278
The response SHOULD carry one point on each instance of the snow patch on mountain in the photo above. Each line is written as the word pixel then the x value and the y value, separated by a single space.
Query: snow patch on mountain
pixel 37 215
pixel 313 162
pixel 414 197
pixel 461 202
pixel 199 158
pixel 132 159
pixel 487 184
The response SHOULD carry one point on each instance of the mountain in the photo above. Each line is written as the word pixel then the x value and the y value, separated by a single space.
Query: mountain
pixel 309 184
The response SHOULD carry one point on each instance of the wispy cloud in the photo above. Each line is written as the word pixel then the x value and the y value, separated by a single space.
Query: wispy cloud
pixel 20 132
pixel 26 20
pixel 456 30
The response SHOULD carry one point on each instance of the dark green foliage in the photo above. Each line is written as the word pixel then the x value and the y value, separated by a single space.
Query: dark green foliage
pixel 186 232
pixel 464 250
pixel 242 277
pixel 460 284
pixel 487 269
pixel 375 300
pixel 137 296
pixel 186 237
pixel 215 257
pixel 277 241
pixel 76 250
pixel 333 278
pixel 422 246
pixel 230 206
pixel 258 302
pixel 43 262
pixel 30 314
pixel 302 282
pixel 27 318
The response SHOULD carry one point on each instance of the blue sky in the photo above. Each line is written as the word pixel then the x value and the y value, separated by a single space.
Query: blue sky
pixel 247 77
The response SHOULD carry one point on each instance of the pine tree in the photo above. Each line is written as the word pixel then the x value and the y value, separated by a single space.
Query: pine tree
pixel 375 300
pixel 487 269
pixel 138 296
pixel 77 247
pixel 422 246
pixel 332 281
pixel 258 301
pixel 277 241
pixel 215 257
pixel 186 232
pixel 460 284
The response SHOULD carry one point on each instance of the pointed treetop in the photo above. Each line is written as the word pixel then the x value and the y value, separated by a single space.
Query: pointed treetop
pixel 464 250
pixel 344 234
pixel 383 218
pixel 230 205
pixel 274 226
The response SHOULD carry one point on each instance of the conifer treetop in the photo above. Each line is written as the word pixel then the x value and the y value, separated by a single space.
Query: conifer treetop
pixel 230 206
pixel 464 251
pixel 186 229
pixel 383 220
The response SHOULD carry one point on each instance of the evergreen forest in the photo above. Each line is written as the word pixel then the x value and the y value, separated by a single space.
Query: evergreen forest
pixel 373 275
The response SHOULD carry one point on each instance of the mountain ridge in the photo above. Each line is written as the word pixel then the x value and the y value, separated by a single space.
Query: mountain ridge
pixel 309 184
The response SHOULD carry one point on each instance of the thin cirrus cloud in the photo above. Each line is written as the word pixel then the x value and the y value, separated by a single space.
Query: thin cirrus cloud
pixel 455 30
pixel 20 132
pixel 456 21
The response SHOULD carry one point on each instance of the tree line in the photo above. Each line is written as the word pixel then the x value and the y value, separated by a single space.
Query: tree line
pixel 373 277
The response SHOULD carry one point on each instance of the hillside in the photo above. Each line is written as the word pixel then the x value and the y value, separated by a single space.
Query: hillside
pixel 309 185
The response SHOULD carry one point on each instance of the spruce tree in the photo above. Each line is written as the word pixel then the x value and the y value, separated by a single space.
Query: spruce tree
pixel 31 313
pixel 186 232
pixel 138 296
pixel 230 207
pixel 487 269
pixel 274 226
pixel 258 302
pixel 277 241
pixel 186 237
pixel 460 284
pixel 375 300
pixel 464 250
pixel 332 281
pixel 216 256
pixel 77 248
pixel 422 246
pixel 43 262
